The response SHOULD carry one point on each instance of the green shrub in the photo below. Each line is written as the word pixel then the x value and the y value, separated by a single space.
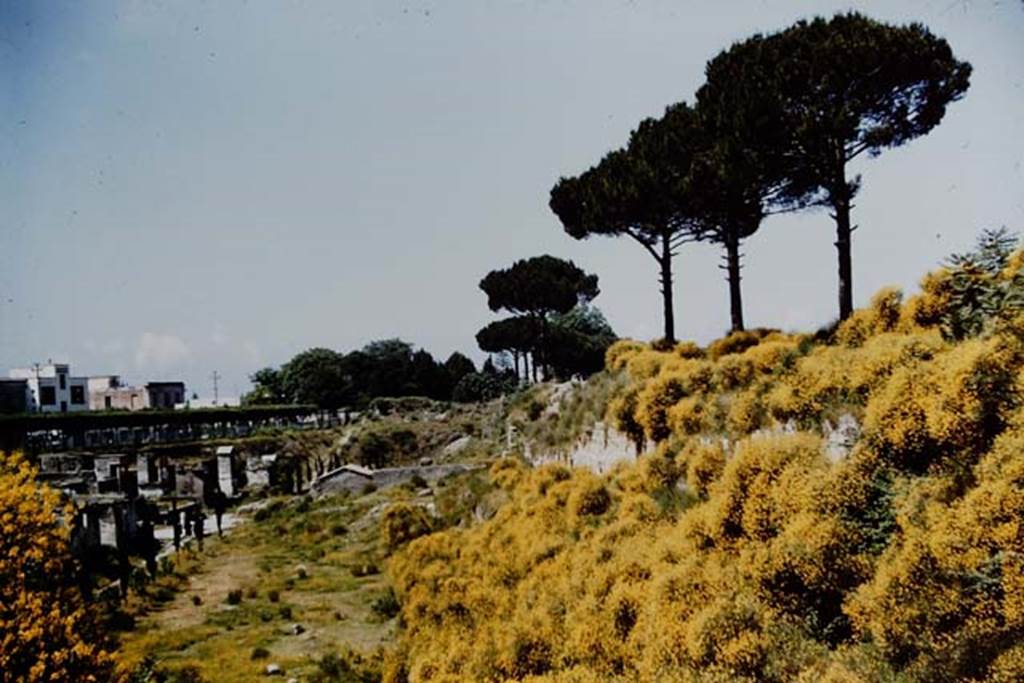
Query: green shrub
pixel 386 606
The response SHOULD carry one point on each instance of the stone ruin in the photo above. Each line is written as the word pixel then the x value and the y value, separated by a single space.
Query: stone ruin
pixel 142 505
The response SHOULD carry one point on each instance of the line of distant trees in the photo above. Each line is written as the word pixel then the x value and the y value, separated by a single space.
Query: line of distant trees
pixel 553 331
pixel 383 368
pixel 773 129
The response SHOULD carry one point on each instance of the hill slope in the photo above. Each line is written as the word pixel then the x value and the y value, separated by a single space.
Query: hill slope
pixel 754 541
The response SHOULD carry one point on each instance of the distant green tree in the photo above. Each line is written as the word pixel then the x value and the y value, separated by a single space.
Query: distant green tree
pixel 268 388
pixel 388 369
pixel 317 376
pixel 516 335
pixel 429 377
pixel 483 386
pixel 840 88
pixel 579 340
pixel 458 366
pixel 538 288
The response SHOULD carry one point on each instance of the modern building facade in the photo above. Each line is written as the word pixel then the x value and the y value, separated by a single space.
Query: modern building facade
pixel 165 395
pixel 51 389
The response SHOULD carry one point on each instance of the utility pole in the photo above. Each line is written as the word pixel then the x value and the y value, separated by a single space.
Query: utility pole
pixel 216 377
pixel 36 393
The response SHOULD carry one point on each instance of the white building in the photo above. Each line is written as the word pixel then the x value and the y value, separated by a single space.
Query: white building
pixel 51 389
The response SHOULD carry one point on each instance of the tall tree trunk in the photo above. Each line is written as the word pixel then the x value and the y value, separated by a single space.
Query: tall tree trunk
pixel 515 362
pixel 545 368
pixel 841 196
pixel 666 287
pixel 732 258
pixel 534 365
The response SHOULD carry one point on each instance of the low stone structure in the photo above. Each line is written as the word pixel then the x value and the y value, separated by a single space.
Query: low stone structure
pixel 354 478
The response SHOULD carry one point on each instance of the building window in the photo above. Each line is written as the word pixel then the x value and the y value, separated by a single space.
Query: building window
pixel 63 381
pixel 47 396
pixel 77 395
pixel 106 402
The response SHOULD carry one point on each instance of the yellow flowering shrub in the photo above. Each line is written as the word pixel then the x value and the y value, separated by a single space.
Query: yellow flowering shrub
pixel 46 631
pixel 746 411
pixel 734 372
pixel 688 349
pixel 401 523
pixel 654 401
pixel 735 342
pixel 689 416
pixel 927 308
pixel 882 315
pixel 705 462
pixel 619 353
pixel 956 402
pixel 750 544
pixel 645 364
pixel 622 415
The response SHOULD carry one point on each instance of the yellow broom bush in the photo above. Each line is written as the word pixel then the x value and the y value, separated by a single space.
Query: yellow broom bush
pixel 47 633
pixel 620 353
pixel 900 559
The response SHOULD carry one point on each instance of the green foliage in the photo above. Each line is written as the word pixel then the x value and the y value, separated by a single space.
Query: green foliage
pixel 538 286
pixel 579 340
pixel 384 445
pixel 458 366
pixel 636 192
pixel 318 376
pixel 480 386
pixel 268 388
pixel 826 91
pixel 386 606
pixel 383 368
pixel 983 287
pixel 347 667
pixel 535 290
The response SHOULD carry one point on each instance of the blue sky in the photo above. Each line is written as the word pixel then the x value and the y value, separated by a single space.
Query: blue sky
pixel 198 186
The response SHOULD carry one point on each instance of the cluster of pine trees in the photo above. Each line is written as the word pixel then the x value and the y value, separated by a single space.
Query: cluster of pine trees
pixel 553 330
pixel 773 128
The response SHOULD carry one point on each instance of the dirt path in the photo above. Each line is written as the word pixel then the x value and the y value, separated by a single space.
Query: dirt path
pixel 301 597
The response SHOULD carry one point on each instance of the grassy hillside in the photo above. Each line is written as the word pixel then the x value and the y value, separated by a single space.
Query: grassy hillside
pixel 750 543
pixel 299 585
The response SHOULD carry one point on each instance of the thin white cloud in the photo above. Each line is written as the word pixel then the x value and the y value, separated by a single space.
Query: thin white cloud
pixel 219 336
pixel 159 351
